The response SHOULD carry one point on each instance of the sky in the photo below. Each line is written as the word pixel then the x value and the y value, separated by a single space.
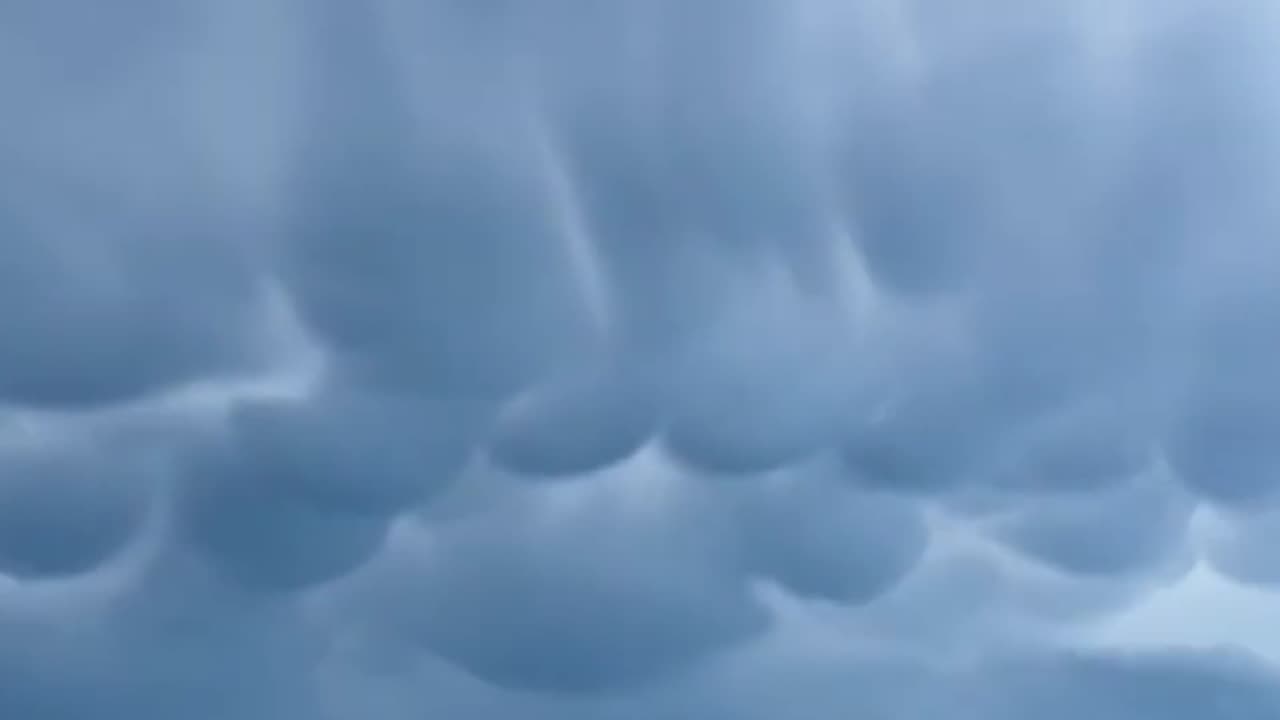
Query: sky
pixel 623 359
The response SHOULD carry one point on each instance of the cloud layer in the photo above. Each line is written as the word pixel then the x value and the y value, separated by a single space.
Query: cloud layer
pixel 741 359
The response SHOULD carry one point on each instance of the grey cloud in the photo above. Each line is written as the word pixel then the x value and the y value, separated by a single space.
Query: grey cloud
pixel 173 641
pixel 814 534
pixel 1220 438
pixel 1140 524
pixel 578 424
pixel 772 382
pixel 631 574
pixel 424 258
pixel 935 436
pixel 353 450
pixel 68 505
pixel 681 163
pixel 125 273
pixel 259 534
pixel 1010 685
pixel 929 324
pixel 1169 685
pixel 1092 445
pixel 100 308
pixel 1238 544
pixel 585 594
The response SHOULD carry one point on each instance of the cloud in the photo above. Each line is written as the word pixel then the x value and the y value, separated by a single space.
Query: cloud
pixel 1108 532
pixel 1016 685
pixel 624 591
pixel 767 385
pixel 69 504
pixel 261 537
pixel 352 449
pixel 813 534
pixel 619 360
pixel 99 309
pixel 574 425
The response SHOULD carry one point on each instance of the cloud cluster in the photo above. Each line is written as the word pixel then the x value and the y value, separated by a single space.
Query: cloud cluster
pixel 631 359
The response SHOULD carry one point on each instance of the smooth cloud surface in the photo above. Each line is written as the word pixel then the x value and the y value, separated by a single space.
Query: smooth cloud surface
pixel 570 359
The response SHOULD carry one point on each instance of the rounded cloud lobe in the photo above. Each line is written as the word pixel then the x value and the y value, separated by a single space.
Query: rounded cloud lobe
pixel 68 506
pixel 623 594
pixel 576 424
pixel 579 360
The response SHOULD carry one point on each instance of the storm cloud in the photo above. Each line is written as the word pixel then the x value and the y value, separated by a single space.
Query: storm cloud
pixel 627 359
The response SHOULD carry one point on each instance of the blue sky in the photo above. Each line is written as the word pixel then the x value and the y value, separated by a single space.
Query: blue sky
pixel 600 360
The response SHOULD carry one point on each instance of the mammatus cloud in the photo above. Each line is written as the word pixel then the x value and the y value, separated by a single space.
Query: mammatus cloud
pixel 744 359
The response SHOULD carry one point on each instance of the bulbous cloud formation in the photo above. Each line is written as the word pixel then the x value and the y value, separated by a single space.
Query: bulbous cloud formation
pixel 638 358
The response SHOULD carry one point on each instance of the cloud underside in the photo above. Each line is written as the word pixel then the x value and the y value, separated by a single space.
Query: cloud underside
pixel 611 360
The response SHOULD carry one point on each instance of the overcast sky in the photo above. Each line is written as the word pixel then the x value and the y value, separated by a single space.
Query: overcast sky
pixel 639 359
